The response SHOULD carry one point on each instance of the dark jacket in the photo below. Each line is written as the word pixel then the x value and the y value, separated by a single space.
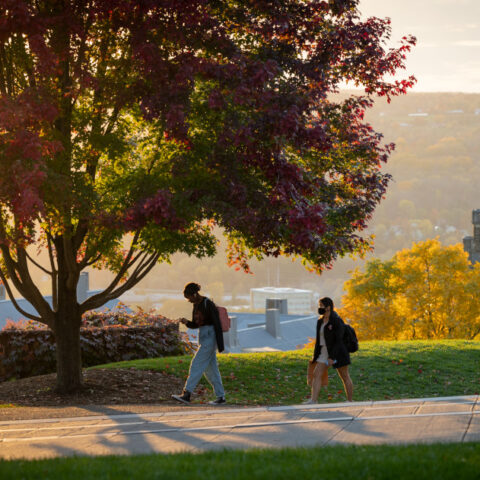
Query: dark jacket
pixel 333 333
pixel 210 316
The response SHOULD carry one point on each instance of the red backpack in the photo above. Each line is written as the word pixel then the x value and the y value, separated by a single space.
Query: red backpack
pixel 224 318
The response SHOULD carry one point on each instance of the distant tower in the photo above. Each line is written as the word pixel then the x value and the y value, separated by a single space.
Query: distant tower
pixel 472 244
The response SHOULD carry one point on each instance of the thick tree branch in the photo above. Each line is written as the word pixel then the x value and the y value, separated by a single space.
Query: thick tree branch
pixel 43 269
pixel 145 260
pixel 69 254
pixel 127 263
pixel 112 120
pixel 137 276
pixel 80 233
pixel 135 260
pixel 14 301
pixel 7 68
pixel 96 123
pixel 21 278
pixel 82 49
pixel 11 267
pixel 31 291
pixel 140 272
pixel 54 272
pixel 3 80
pixel 27 65
pixel 51 255
pixel 89 260
pixel 477 332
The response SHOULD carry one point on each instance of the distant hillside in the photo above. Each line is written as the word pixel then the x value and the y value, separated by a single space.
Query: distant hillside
pixel 436 171
pixel 436 168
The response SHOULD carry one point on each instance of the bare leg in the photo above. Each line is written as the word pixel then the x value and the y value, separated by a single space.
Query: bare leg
pixel 347 381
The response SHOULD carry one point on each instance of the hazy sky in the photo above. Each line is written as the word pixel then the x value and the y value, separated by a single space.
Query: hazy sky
pixel 447 55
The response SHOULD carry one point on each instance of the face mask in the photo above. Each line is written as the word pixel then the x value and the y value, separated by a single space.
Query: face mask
pixel 321 310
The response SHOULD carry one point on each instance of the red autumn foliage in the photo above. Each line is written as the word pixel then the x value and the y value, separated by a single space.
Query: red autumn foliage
pixel 159 119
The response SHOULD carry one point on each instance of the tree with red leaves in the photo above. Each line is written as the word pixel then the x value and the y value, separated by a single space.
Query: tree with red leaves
pixel 148 122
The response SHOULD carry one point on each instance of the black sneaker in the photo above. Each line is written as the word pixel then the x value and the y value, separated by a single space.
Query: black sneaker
pixel 218 401
pixel 183 398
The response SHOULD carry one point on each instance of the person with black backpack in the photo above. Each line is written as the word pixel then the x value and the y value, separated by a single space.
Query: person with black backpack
pixel 330 349
pixel 205 317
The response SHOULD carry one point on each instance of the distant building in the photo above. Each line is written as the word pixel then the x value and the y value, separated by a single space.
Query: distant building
pixel 472 244
pixel 298 301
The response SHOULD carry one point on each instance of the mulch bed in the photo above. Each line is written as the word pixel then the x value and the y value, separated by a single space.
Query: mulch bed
pixel 101 387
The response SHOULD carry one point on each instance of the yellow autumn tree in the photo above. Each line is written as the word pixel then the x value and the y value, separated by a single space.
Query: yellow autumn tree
pixel 368 303
pixel 470 318
pixel 427 291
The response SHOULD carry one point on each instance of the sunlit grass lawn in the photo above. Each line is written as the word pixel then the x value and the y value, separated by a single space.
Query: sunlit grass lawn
pixel 380 370
pixel 419 462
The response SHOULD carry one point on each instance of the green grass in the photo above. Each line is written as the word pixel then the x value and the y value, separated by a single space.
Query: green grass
pixel 380 370
pixel 439 462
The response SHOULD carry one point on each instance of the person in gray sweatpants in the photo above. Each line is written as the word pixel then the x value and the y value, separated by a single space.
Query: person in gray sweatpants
pixel 205 318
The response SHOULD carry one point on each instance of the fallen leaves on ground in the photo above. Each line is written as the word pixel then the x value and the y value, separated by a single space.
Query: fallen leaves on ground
pixel 101 387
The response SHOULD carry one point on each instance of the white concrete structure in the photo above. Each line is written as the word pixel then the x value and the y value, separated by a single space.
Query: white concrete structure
pixel 298 301
pixel 272 322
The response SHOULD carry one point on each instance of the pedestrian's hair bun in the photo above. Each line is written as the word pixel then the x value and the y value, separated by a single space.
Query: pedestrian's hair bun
pixel 191 288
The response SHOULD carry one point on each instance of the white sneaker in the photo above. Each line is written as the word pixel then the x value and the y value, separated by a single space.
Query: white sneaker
pixel 309 402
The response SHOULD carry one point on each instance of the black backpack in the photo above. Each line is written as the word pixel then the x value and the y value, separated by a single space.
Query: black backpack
pixel 350 338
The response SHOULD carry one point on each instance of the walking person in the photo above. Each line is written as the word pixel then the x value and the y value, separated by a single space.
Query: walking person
pixel 205 318
pixel 330 350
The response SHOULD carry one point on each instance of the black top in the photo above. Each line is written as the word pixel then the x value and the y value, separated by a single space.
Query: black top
pixel 206 313
pixel 333 333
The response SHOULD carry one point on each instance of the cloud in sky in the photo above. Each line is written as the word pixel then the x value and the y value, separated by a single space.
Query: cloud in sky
pixel 448 34
pixel 468 43
pixel 462 28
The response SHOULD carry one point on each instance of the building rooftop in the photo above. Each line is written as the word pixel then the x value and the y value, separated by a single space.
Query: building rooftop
pixel 253 336
pixel 279 290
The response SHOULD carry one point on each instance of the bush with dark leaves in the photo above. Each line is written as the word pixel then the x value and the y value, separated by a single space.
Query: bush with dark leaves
pixel 28 348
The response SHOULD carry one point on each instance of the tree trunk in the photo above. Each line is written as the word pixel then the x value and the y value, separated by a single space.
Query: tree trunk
pixel 67 337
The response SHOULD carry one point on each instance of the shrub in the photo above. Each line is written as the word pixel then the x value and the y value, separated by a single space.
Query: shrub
pixel 28 348
pixel 122 316
pixel 25 353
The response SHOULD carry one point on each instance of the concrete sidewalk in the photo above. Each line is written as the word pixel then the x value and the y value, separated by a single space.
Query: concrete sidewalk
pixel 448 419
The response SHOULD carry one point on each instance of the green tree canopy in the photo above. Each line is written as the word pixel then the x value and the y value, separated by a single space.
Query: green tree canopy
pixel 152 121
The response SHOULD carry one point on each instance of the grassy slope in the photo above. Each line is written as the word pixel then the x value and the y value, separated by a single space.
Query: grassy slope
pixel 380 370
